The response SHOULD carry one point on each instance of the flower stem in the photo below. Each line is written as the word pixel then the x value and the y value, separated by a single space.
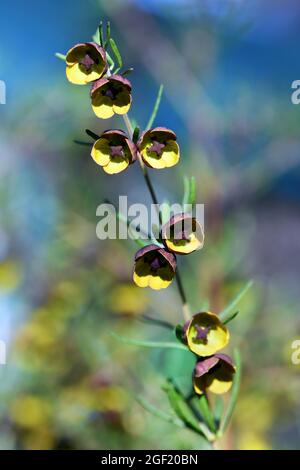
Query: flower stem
pixel 185 306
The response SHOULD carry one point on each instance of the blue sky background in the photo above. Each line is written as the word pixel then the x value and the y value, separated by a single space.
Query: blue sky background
pixel 30 33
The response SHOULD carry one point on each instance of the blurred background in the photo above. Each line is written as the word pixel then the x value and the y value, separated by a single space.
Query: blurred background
pixel 227 67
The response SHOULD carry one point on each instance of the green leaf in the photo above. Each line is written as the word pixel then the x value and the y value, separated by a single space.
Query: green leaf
pixel 184 412
pixel 231 317
pixel 107 33
pixel 192 195
pixel 179 333
pixel 100 32
pixel 80 142
pixel 149 344
pixel 234 393
pixel 116 51
pixel 226 313
pixel 156 322
pixel 189 196
pixel 179 405
pixel 203 407
pixel 92 134
pixel 218 411
pixel 136 134
pixel 60 56
pixel 155 108
pixel 110 61
pixel 127 72
pixel 160 414
pixel 95 37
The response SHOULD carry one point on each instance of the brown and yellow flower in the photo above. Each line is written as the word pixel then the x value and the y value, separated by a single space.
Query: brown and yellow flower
pixel 183 234
pixel 114 151
pixel 86 62
pixel 111 95
pixel 154 267
pixel 158 148
pixel 214 374
pixel 205 334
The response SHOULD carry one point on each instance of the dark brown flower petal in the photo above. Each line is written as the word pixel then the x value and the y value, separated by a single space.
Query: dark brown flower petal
pixel 204 365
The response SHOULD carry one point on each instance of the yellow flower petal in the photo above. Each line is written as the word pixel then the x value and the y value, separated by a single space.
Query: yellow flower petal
pixel 144 277
pixel 76 72
pixel 114 167
pixel 153 160
pixel 74 75
pixel 122 103
pixel 217 381
pixel 185 246
pixel 96 73
pixel 157 283
pixel 168 158
pixel 102 106
pixel 140 281
pixel 219 387
pixel 217 336
pixel 171 154
pixel 101 152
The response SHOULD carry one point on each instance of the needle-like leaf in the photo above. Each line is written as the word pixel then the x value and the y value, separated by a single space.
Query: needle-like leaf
pixel 60 56
pixel 234 393
pixel 227 312
pixel 155 108
pixel 80 142
pixel 205 411
pixel 110 61
pixel 231 317
pixel 219 407
pixel 160 414
pixel 149 344
pixel 184 412
pixel 116 52
pixel 189 196
pixel 136 134
pixel 127 72
pixel 92 134
pixel 100 29
pixel 107 32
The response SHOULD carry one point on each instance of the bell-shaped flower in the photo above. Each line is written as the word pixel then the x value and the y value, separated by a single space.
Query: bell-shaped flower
pixel 183 234
pixel 86 62
pixel 114 151
pixel 158 148
pixel 214 374
pixel 111 95
pixel 205 334
pixel 154 267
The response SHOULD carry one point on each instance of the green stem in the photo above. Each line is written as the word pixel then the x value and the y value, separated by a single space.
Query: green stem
pixel 185 306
